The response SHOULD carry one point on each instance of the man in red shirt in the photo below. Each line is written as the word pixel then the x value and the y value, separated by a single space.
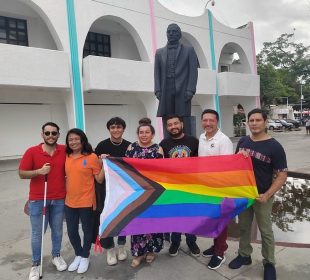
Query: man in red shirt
pixel 46 159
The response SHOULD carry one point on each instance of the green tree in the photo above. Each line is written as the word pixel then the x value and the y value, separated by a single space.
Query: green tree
pixel 282 66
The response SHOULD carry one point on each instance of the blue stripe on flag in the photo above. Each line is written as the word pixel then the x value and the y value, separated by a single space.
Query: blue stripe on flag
pixel 240 205
pixel 182 210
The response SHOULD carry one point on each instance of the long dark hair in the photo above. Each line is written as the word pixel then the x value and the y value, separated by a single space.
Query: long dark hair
pixel 86 147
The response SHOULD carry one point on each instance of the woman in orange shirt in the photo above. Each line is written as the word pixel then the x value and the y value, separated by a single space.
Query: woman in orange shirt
pixel 82 167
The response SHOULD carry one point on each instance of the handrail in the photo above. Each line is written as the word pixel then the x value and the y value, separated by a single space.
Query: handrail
pixel 298 174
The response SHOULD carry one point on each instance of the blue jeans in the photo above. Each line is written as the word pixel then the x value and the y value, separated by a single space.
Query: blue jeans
pixel 54 217
pixel 73 216
pixel 176 238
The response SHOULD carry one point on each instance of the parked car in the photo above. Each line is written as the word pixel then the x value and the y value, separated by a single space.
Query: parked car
pixel 294 122
pixel 272 125
pixel 285 124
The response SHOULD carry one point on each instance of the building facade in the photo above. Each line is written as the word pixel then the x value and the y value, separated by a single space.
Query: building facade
pixel 80 62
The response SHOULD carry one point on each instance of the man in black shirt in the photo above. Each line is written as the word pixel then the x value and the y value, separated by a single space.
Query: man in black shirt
pixel 175 146
pixel 114 146
pixel 268 159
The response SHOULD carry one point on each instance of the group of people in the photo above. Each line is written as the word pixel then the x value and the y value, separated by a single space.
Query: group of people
pixel 72 170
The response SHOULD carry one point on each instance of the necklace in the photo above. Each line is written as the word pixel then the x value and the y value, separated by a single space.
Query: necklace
pixel 116 144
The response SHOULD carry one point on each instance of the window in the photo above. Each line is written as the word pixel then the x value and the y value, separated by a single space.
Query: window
pixel 97 44
pixel 13 31
pixel 225 68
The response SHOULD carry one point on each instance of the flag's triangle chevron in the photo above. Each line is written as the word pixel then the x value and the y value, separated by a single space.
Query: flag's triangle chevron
pixel 189 195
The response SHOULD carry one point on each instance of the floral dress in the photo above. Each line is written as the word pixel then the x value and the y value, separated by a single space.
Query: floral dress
pixel 152 242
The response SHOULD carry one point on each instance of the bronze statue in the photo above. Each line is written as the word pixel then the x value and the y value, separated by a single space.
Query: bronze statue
pixel 175 75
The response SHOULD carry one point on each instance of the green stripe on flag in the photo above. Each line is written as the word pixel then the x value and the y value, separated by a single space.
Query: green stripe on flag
pixel 179 197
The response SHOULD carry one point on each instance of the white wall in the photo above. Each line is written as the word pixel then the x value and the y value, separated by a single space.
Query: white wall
pixel 97 116
pixel 20 126
pixel 103 73
pixel 39 35
pixel 27 66
pixel 237 68
pixel 226 106
pixel 129 25
pixel 123 46
pixel 238 84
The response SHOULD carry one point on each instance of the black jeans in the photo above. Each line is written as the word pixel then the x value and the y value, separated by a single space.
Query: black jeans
pixel 73 216
pixel 108 243
pixel 176 238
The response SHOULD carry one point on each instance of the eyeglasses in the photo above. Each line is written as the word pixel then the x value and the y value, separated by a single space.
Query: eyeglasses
pixel 48 133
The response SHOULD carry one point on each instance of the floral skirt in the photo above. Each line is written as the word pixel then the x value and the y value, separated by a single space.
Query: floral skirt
pixel 144 243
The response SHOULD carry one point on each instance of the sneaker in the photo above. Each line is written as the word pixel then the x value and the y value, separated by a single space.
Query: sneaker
pixel 174 249
pixel 111 256
pixel 75 264
pixel 270 272
pixel 240 261
pixel 84 264
pixel 194 249
pixel 216 262
pixel 34 273
pixel 122 253
pixel 60 263
pixel 208 253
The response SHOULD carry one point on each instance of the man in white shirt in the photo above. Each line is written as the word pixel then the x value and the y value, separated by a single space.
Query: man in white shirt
pixel 214 142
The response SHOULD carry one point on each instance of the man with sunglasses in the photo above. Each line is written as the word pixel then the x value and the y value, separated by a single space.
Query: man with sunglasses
pixel 46 160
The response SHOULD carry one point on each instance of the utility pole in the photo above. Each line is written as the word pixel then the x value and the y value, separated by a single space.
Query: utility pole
pixel 301 99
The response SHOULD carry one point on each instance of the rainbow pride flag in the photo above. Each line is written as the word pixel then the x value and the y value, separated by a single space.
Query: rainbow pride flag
pixel 198 195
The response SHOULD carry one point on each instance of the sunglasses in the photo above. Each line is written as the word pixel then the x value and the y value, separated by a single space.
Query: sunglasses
pixel 48 133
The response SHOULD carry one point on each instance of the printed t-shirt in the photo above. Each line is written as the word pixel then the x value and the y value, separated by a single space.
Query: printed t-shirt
pixel 186 146
pixel 267 156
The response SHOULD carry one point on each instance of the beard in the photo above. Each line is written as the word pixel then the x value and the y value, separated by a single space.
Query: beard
pixel 50 143
pixel 176 134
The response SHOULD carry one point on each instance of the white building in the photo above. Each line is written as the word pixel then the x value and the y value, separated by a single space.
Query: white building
pixel 47 73
pixel 281 112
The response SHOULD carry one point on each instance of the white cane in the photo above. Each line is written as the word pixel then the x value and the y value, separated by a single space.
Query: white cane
pixel 43 225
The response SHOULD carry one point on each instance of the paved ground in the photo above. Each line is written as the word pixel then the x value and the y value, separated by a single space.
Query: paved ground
pixel 15 260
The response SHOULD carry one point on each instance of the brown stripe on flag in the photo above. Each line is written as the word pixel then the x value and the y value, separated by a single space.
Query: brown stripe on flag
pixel 152 190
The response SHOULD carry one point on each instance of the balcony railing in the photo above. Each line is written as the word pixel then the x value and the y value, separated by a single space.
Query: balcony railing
pixel 113 74
pixel 238 84
pixel 33 67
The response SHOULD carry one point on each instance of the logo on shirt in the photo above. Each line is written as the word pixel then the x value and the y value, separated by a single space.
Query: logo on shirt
pixel 84 163
pixel 212 145
pixel 179 152
pixel 256 155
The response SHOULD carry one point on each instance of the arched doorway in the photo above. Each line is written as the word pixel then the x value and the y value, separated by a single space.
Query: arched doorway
pixel 114 37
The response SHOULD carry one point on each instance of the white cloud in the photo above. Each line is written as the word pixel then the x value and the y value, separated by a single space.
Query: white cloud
pixel 270 18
